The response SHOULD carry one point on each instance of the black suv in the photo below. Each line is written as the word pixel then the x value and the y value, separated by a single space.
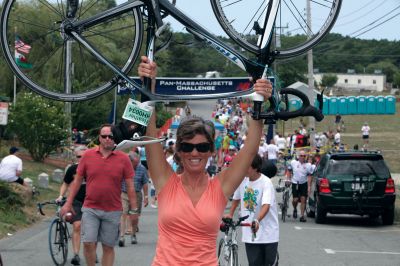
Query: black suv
pixel 352 182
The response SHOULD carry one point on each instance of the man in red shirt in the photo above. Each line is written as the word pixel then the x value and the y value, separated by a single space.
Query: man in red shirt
pixel 104 170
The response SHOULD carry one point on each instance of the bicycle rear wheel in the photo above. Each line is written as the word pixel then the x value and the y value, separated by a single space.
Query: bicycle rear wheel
pixel 293 33
pixel 58 67
pixel 284 206
pixel 58 242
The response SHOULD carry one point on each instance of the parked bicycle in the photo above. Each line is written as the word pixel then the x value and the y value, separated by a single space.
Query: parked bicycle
pixel 58 234
pixel 284 187
pixel 71 59
pixel 228 246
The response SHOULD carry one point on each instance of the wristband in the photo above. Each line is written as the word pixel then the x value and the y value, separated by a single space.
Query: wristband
pixel 146 197
pixel 256 220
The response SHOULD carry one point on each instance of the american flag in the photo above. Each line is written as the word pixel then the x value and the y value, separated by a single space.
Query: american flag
pixel 22 47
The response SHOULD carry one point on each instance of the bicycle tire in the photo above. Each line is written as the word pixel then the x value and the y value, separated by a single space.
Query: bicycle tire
pixel 44 27
pixel 231 17
pixel 220 253
pixel 234 256
pixel 58 242
pixel 284 206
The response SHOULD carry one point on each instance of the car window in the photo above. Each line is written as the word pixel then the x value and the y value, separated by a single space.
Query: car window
pixel 348 168
pixel 321 166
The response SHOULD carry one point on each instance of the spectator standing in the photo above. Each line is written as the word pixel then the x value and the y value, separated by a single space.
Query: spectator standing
pixel 300 176
pixel 365 134
pixel 76 204
pixel 338 119
pixel 256 195
pixel 281 143
pixel 140 180
pixel 104 170
pixel 11 168
pixel 337 139
pixel 273 152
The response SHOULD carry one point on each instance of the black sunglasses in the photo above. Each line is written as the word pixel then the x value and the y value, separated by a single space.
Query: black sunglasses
pixel 107 136
pixel 78 156
pixel 200 147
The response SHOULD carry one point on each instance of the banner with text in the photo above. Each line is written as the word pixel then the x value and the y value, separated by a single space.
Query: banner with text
pixel 187 86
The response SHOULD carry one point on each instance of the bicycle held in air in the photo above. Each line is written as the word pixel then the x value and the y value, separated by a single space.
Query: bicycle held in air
pixel 58 234
pixel 79 50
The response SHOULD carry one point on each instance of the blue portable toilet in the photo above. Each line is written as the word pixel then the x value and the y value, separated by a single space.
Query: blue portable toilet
pixel 325 103
pixel 333 105
pixel 342 105
pixel 351 105
pixel 371 104
pixel 361 105
pixel 390 102
pixel 294 104
pixel 380 104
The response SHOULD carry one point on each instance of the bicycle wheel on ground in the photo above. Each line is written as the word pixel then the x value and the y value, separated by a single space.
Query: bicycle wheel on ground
pixel 221 253
pixel 51 63
pixel 234 256
pixel 294 33
pixel 58 242
pixel 284 206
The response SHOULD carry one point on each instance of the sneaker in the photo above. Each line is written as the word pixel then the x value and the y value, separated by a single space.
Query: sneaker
pixel 97 259
pixel 153 206
pixel 133 239
pixel 294 213
pixel 137 229
pixel 302 219
pixel 121 241
pixel 76 260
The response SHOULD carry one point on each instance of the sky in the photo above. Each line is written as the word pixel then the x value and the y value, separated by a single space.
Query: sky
pixel 356 16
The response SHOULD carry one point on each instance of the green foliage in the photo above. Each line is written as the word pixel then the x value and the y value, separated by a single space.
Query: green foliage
pixel 396 79
pixel 328 80
pixel 9 200
pixel 162 115
pixel 39 124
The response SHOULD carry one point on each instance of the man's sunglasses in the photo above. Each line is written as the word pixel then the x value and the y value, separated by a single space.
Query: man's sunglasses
pixel 107 136
pixel 200 147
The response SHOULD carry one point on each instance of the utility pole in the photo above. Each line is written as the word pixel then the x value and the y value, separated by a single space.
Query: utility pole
pixel 310 66
pixel 67 84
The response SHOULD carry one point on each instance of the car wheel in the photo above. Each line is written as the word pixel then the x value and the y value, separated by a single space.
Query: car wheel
pixel 388 216
pixel 320 213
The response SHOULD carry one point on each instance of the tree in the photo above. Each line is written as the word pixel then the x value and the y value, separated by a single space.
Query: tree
pixel 39 124
pixel 328 80
pixel 396 79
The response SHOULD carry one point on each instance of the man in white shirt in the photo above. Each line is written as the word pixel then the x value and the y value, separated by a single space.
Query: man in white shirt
pixel 337 138
pixel 281 143
pixel 300 176
pixel 11 168
pixel 365 134
pixel 272 151
pixel 256 195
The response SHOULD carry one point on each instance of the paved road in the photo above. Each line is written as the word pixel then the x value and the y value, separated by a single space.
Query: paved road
pixel 344 240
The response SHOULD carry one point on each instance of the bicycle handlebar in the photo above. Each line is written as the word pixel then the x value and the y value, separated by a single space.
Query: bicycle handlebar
pixel 306 109
pixel 40 205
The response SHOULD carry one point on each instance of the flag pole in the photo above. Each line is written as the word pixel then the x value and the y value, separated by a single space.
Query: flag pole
pixel 15 78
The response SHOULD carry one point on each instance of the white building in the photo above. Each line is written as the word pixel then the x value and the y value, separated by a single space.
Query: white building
pixel 357 82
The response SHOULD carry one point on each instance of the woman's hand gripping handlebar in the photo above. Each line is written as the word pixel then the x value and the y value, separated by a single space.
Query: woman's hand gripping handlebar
pixel 306 109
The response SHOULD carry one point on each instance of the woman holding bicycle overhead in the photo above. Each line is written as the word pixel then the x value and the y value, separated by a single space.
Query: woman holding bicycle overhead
pixel 191 204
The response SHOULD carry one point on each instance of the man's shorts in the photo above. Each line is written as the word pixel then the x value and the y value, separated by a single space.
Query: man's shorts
pixel 77 206
pixel 152 192
pixel 19 180
pixel 100 226
pixel 299 190
pixel 365 136
pixel 125 202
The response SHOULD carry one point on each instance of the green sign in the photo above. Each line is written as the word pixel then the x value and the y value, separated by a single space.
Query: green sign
pixel 137 112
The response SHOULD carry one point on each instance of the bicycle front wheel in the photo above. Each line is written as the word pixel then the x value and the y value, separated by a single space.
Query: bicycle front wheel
pixel 284 206
pixel 293 33
pixel 58 242
pixel 39 48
